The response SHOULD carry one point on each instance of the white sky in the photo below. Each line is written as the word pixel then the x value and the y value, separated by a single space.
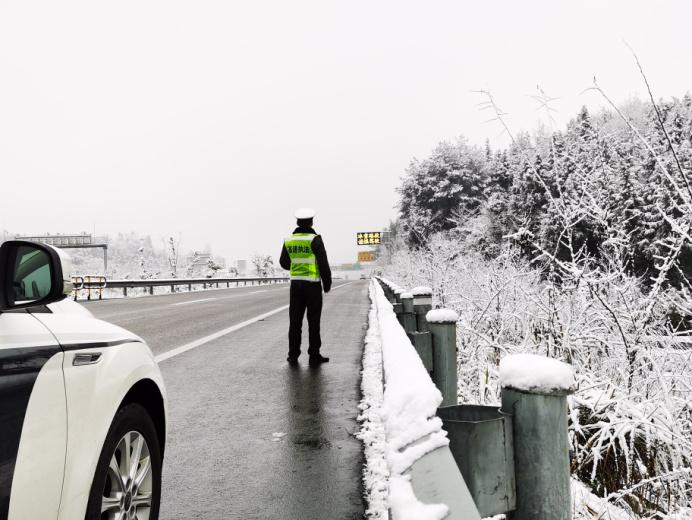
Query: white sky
pixel 215 119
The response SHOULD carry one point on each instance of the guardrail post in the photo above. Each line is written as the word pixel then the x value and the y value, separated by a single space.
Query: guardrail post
pixel 389 292
pixel 443 329
pixel 541 447
pixel 172 288
pixel 392 291
pixel 422 303
pixel 151 290
pixel 422 342
pixel 397 305
pixel 408 317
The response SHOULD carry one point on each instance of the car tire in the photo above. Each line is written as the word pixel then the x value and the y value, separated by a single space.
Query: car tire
pixel 115 493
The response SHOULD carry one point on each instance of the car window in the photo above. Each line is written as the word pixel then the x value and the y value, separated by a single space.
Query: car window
pixel 32 280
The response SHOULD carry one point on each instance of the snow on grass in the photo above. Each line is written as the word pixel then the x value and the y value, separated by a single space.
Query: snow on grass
pixel 587 506
pixel 398 418
pixel 536 374
pixel 442 316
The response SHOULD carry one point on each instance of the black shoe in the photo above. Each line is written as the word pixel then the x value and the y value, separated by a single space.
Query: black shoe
pixel 318 360
pixel 293 361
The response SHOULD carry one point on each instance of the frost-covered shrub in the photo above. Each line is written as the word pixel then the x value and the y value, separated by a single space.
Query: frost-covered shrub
pixel 630 421
pixel 628 450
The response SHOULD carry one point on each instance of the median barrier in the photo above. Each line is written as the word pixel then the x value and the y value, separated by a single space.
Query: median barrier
pixel 101 282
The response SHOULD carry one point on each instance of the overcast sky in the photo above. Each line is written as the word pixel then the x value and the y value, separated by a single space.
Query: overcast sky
pixel 216 119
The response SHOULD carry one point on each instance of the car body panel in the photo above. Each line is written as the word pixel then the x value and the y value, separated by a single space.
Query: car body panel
pixel 55 415
pixel 69 306
pixel 39 471
pixel 73 330
pixel 96 391
pixel 27 348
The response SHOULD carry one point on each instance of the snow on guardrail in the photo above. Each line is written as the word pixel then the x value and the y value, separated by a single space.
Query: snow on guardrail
pixel 398 421
pixel 536 374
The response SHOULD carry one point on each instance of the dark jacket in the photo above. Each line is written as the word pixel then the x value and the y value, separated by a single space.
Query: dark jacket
pixel 320 255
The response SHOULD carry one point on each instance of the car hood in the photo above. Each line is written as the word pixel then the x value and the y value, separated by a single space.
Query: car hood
pixel 74 325
pixel 68 306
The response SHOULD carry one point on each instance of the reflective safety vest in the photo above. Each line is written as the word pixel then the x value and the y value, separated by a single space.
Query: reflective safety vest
pixel 303 259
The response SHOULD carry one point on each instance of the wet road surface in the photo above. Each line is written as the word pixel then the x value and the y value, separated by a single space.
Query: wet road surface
pixel 249 436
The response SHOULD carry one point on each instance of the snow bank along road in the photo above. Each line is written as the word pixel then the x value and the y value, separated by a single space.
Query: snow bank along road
pixel 249 437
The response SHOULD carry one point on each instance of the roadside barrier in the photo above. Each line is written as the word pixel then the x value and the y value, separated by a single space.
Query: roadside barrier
pixel 515 457
pixel 89 283
pixel 99 283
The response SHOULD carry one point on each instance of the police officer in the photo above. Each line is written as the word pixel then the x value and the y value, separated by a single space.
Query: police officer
pixel 303 254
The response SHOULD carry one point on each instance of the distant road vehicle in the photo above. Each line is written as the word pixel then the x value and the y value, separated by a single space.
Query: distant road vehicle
pixel 363 277
pixel 82 401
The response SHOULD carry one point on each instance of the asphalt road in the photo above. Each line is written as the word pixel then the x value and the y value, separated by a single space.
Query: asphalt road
pixel 250 437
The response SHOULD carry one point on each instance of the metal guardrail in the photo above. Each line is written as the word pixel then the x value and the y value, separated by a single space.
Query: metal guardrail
pixel 514 459
pixel 99 283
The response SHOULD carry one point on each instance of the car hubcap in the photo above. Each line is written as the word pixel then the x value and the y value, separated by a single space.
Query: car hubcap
pixel 127 492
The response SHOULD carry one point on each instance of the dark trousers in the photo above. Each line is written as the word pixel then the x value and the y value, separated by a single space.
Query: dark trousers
pixel 305 295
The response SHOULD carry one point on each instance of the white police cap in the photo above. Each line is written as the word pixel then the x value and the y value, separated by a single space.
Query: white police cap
pixel 305 213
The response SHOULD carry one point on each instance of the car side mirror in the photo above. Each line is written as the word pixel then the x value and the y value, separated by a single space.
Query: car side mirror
pixel 32 274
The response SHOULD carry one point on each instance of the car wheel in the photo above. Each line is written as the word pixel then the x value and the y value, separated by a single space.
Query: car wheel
pixel 127 483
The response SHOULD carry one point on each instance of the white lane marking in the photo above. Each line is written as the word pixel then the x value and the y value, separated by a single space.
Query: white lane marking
pixel 216 335
pixel 193 301
pixel 241 295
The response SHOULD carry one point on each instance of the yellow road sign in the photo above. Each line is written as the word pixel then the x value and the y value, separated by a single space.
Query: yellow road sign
pixel 369 238
pixel 366 256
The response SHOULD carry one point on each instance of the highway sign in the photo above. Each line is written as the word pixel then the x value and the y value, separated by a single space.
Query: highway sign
pixel 366 256
pixel 68 241
pixel 369 238
pixel 81 241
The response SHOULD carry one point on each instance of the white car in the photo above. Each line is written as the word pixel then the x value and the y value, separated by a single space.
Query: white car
pixel 82 401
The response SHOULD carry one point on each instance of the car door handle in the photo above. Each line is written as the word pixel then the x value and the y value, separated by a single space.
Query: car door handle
pixel 90 358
